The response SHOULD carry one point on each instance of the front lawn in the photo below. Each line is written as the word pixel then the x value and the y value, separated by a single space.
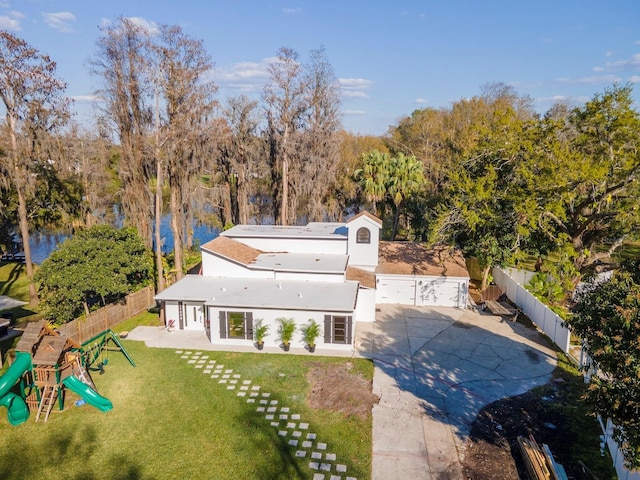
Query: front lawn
pixel 172 421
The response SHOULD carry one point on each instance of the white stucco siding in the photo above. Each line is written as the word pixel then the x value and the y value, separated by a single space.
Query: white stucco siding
pixel 188 315
pixel 317 277
pixel 363 255
pixel 215 266
pixel 337 246
pixel 422 291
pixel 270 317
pixel 366 305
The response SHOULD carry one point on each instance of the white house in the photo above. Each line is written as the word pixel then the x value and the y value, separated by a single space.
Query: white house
pixel 332 273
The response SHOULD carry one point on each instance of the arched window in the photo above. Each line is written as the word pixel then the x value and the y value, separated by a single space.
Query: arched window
pixel 363 235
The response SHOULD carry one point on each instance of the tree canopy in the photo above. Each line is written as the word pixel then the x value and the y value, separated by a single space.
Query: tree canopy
pixel 94 266
pixel 607 317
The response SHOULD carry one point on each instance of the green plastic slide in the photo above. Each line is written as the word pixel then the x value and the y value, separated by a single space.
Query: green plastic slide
pixel 89 395
pixel 17 409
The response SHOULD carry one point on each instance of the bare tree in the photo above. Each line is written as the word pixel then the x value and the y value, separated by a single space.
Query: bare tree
pixel 34 105
pixel 121 62
pixel 189 102
pixel 240 153
pixel 286 105
pixel 321 144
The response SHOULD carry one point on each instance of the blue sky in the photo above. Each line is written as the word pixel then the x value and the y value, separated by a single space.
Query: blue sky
pixel 392 57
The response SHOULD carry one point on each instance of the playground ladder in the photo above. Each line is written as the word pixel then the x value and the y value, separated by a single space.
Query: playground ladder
pixel 47 402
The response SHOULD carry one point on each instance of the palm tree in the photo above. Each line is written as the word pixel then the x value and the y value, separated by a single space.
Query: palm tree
pixel 373 177
pixel 406 177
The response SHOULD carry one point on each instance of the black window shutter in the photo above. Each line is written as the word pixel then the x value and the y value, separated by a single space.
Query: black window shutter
pixel 248 328
pixel 223 324
pixel 348 328
pixel 328 328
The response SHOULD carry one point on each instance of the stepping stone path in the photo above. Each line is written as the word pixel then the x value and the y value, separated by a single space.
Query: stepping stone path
pixel 306 445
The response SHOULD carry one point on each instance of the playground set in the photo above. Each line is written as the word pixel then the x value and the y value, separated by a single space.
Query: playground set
pixel 46 364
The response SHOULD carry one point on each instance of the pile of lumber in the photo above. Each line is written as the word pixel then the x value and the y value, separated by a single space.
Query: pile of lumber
pixel 539 461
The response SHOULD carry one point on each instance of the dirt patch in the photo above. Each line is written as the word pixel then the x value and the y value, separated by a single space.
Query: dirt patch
pixel 554 416
pixel 339 388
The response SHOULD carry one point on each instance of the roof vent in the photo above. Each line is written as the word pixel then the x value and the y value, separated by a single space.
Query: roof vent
pixel 299 294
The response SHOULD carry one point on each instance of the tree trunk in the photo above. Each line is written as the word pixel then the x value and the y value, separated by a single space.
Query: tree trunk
pixel 24 233
pixel 396 220
pixel 285 191
pixel 176 229
pixel 485 277
pixel 158 221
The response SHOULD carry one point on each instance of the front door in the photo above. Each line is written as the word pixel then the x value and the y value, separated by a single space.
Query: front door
pixel 194 317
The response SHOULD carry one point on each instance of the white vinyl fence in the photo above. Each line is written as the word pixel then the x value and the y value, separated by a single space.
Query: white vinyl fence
pixel 511 282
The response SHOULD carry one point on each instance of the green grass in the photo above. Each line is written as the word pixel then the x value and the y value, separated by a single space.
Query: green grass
pixel 577 430
pixel 13 281
pixel 172 421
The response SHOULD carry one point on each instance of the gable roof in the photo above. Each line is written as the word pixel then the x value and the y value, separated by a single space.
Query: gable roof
pixel 368 215
pixel 231 249
pixel 409 258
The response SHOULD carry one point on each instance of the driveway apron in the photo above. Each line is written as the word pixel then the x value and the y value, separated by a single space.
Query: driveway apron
pixel 435 369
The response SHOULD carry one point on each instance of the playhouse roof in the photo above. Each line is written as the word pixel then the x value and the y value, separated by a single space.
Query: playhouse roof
pixel 30 336
pixel 49 350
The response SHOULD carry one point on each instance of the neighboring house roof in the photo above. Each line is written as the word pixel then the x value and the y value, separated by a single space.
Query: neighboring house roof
pixel 366 278
pixel 264 293
pixel 408 258
pixel 231 249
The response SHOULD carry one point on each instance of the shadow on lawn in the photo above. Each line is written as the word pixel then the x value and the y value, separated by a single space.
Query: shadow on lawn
pixel 287 465
pixel 27 461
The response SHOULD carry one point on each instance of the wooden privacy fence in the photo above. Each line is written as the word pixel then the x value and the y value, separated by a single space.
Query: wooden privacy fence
pixel 85 328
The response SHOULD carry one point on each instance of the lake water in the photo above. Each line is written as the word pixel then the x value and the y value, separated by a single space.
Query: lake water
pixel 42 244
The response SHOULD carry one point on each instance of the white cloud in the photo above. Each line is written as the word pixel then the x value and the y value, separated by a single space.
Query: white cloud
pixel 245 76
pixel 421 101
pixel 634 79
pixel 292 11
pixel 148 25
pixel 7 23
pixel 355 87
pixel 632 63
pixel 354 112
pixel 87 98
pixel 598 69
pixel 60 21
pixel 105 22
pixel 17 15
pixel 4 4
pixel 595 80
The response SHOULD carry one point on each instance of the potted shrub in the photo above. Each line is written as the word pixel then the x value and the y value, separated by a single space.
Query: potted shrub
pixel 260 330
pixel 310 333
pixel 286 330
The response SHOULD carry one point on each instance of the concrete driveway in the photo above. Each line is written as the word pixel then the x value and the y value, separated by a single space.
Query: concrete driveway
pixel 435 369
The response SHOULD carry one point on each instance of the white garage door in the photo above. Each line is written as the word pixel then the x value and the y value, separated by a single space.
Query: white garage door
pixel 397 290
pixel 425 291
pixel 439 293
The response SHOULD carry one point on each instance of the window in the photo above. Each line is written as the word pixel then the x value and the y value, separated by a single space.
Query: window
pixel 236 325
pixel 363 235
pixel 338 328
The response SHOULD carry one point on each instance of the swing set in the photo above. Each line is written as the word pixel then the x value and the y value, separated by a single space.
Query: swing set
pixel 95 351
